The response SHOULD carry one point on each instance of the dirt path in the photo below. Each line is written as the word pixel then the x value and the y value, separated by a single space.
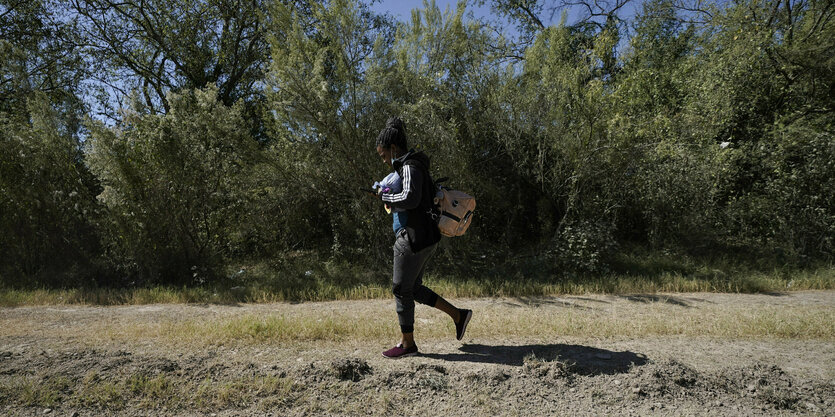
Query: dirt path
pixel 674 354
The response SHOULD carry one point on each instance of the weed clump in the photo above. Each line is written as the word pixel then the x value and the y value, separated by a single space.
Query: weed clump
pixel 548 371
pixel 764 383
pixel 669 378
pixel 350 369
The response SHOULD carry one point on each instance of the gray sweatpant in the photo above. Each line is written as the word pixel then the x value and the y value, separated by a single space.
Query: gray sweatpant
pixel 407 280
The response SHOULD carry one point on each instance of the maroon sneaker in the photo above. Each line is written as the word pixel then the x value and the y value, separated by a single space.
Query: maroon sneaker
pixel 399 351
pixel 461 326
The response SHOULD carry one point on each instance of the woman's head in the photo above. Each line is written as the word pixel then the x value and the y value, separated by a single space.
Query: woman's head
pixel 391 142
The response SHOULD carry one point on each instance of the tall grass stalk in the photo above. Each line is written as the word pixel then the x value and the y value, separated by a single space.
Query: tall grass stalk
pixel 350 287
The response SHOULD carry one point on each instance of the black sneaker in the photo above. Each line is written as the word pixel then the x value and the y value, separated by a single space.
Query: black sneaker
pixel 461 326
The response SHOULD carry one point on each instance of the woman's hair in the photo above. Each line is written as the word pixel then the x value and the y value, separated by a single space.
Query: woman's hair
pixel 393 134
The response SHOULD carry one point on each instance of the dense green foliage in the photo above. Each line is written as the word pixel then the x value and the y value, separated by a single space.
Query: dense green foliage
pixel 173 186
pixel 223 135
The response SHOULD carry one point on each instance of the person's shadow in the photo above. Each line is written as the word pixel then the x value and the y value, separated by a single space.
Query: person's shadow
pixel 584 360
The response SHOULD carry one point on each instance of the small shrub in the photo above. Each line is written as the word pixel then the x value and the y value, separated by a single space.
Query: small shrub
pixel 586 247
pixel 352 369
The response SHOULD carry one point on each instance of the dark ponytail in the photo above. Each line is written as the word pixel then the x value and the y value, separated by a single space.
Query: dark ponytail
pixel 393 134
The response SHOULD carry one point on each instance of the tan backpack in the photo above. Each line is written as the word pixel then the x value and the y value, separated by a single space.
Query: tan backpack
pixel 454 210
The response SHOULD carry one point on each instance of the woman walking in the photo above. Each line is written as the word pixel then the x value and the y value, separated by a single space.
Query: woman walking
pixel 416 236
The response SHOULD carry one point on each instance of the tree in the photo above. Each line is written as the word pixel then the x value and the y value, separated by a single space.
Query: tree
pixel 173 186
pixel 47 195
pixel 325 122
pixel 38 56
pixel 161 46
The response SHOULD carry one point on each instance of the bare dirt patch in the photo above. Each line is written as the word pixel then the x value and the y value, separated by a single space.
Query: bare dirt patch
pixel 76 360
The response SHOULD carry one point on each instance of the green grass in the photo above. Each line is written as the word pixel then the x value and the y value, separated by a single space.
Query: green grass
pixel 590 316
pixel 654 320
pixel 145 392
pixel 633 273
pixel 30 391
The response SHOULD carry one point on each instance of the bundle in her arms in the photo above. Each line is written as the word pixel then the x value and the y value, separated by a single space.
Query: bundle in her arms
pixel 453 210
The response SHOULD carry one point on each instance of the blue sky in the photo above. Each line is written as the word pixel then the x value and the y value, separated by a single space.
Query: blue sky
pixel 402 10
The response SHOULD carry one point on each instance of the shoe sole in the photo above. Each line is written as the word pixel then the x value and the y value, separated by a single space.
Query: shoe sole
pixel 405 355
pixel 466 322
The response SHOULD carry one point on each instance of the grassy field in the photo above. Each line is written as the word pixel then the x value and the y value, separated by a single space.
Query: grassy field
pixel 277 339
pixel 149 392
pixel 495 321
pixel 596 317
pixel 324 284
pixel 581 352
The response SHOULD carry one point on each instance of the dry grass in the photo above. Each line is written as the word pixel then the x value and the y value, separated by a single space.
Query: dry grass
pixel 332 287
pixel 146 392
pixel 288 327
pixel 285 324
pixel 505 322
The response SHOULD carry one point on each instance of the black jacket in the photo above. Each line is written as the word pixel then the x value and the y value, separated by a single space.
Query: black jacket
pixel 416 198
